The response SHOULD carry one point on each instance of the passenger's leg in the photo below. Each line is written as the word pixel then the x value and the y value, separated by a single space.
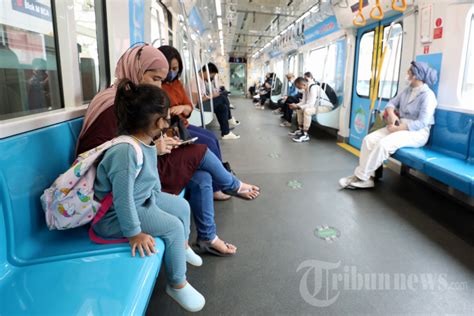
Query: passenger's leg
pixel 300 118
pixel 307 118
pixel 207 138
pixel 222 113
pixel 380 150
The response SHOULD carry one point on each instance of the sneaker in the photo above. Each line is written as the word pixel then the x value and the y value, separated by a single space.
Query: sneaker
pixel 285 124
pixel 276 112
pixel 230 136
pixel 361 184
pixel 296 133
pixel 346 181
pixel 233 122
pixel 192 258
pixel 302 138
pixel 232 106
pixel 188 297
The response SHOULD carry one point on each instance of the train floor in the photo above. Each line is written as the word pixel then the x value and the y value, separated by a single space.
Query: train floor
pixel 305 247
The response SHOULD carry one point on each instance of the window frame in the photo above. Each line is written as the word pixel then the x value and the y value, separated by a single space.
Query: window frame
pixel 357 63
pixel 469 27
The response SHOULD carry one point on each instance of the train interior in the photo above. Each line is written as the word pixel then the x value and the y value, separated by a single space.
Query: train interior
pixel 305 246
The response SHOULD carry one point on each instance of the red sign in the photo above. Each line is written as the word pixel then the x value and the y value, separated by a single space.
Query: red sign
pixel 439 22
pixel 426 49
pixel 438 33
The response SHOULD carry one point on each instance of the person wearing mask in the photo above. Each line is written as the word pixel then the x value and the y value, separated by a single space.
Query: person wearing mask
pixel 221 102
pixel 313 101
pixel 409 117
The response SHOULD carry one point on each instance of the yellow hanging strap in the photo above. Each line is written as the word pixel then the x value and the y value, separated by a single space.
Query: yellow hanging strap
pixel 377 12
pixel 400 8
pixel 359 19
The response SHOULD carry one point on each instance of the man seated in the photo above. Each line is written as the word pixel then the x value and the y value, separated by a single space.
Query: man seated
pixel 314 101
pixel 265 91
pixel 220 101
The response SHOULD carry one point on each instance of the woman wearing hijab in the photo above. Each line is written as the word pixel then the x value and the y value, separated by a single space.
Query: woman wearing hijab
pixel 193 167
pixel 409 118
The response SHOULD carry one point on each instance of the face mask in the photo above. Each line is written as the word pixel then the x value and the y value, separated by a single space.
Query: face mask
pixel 171 75
pixel 300 90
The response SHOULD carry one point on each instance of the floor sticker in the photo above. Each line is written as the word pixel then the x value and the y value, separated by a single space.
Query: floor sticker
pixel 295 184
pixel 327 233
pixel 274 155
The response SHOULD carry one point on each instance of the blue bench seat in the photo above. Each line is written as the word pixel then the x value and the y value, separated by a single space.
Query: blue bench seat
pixel 46 272
pixel 449 155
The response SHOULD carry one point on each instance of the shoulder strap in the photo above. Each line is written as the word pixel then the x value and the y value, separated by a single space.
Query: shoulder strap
pixel 135 144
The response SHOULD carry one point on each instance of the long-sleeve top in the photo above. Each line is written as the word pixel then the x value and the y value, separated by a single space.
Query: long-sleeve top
pixel 291 91
pixel 117 173
pixel 177 95
pixel 310 96
pixel 418 108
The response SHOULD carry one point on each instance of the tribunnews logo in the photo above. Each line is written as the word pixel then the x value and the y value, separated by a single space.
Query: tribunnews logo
pixel 322 282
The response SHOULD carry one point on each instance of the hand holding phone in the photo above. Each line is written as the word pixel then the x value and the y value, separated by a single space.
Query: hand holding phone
pixel 189 141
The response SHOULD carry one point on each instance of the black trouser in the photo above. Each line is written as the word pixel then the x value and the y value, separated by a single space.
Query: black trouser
pixel 287 112
pixel 252 91
pixel 222 111
pixel 264 97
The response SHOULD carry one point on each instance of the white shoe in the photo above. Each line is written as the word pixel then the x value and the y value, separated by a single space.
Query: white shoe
pixel 192 258
pixel 296 133
pixel 232 106
pixel 346 181
pixel 285 124
pixel 302 138
pixel 188 297
pixel 233 122
pixel 360 184
pixel 230 136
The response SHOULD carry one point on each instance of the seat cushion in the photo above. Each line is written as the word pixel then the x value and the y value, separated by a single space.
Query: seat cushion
pixel 454 172
pixel 415 157
pixel 111 284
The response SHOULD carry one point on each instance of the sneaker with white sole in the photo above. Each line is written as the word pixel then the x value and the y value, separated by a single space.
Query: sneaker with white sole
pixel 230 136
pixel 361 184
pixel 302 138
pixel 346 181
pixel 285 124
pixel 188 297
pixel 192 258
pixel 296 133
pixel 233 122
pixel 232 106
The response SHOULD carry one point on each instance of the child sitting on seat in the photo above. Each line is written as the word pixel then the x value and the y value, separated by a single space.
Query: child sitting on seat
pixel 141 210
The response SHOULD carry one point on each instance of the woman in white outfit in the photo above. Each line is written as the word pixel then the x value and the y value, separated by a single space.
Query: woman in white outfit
pixel 409 117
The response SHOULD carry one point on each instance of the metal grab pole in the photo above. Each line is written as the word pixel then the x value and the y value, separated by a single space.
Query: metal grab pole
pixel 209 83
pixel 196 72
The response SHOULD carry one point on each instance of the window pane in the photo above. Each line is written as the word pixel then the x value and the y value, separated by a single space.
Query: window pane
pixel 391 65
pixel 467 92
pixel 84 13
pixel 366 49
pixel 28 63
pixel 324 59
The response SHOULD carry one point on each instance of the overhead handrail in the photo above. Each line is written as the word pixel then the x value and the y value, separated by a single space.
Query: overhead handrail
pixel 359 19
pixel 377 12
pixel 400 8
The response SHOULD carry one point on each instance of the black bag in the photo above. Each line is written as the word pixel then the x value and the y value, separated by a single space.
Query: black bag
pixel 330 93
pixel 179 129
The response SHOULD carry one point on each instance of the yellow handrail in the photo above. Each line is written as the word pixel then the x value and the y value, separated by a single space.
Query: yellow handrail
pixel 399 8
pixel 377 8
pixel 359 19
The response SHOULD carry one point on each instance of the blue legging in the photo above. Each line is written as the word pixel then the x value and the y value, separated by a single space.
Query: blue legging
pixel 200 193
pixel 207 138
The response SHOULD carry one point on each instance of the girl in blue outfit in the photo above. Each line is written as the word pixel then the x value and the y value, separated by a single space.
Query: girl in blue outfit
pixel 140 210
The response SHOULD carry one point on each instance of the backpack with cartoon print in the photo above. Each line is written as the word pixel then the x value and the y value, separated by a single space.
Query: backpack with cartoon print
pixel 70 202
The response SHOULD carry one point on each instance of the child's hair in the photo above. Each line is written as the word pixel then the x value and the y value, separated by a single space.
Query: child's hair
pixel 135 105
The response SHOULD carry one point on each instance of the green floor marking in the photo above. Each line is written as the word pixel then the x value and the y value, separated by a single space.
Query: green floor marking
pixel 327 233
pixel 295 184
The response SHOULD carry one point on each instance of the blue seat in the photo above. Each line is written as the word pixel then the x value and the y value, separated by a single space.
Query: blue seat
pixel 59 272
pixel 449 155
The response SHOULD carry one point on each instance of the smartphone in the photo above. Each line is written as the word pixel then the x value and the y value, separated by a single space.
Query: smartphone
pixel 397 123
pixel 189 141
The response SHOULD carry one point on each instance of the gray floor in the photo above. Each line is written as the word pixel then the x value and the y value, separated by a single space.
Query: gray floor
pixel 417 243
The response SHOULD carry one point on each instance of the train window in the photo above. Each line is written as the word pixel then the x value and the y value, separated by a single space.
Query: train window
pixel 279 69
pixel 317 59
pixel 29 80
pixel 293 65
pixel 86 37
pixel 391 65
pixel 366 50
pixel 159 26
pixel 467 90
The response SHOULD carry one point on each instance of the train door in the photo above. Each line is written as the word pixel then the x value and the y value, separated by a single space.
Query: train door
pixel 238 78
pixel 367 93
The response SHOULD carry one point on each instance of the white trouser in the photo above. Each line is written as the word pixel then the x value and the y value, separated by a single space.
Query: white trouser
pixel 305 116
pixel 379 145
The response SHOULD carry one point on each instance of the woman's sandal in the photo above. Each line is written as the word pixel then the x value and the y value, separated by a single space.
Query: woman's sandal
pixel 245 193
pixel 205 246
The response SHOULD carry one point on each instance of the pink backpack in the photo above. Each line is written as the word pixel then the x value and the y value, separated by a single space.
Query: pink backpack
pixel 70 203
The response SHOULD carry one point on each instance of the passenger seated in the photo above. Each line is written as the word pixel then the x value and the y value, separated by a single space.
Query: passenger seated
pixel 409 117
pixel 140 209
pixel 220 101
pixel 293 96
pixel 265 91
pixel 314 101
